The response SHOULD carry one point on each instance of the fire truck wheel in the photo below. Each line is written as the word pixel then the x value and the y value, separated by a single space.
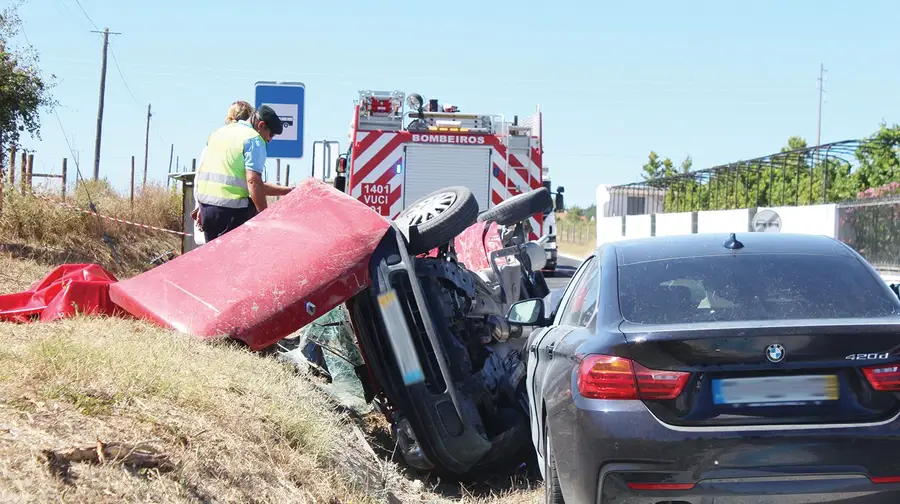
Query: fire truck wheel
pixel 519 208
pixel 437 218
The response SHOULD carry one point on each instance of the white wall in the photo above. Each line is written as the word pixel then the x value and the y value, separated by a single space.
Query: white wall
pixel 609 229
pixel 638 226
pixel 674 224
pixel 723 221
pixel 812 219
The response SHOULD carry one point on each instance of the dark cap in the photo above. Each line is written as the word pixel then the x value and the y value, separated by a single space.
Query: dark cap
pixel 268 116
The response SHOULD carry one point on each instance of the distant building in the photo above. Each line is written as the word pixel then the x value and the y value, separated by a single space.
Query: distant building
pixel 629 200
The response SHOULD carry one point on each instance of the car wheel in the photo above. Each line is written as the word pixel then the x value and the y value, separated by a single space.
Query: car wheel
pixel 519 208
pixel 552 493
pixel 437 218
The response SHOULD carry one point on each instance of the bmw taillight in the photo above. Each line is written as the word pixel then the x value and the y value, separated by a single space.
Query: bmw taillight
pixel 883 378
pixel 608 377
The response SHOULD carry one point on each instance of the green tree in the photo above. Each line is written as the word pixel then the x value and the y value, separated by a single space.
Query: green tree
pixel 23 91
pixel 575 212
pixel 879 158
pixel 687 164
pixel 653 167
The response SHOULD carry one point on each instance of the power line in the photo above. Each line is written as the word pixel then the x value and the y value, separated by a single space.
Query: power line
pixel 119 69
pixel 78 177
pixel 67 12
pixel 86 15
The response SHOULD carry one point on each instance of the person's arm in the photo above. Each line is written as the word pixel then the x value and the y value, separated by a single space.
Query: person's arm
pixel 259 190
pixel 255 163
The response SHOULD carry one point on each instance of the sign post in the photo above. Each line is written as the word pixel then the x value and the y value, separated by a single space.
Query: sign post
pixel 288 100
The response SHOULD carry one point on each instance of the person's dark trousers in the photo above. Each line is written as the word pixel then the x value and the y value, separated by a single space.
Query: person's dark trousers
pixel 217 221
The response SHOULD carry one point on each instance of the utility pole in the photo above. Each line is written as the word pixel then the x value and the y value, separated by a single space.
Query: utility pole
pixel 146 145
pixel 106 34
pixel 821 80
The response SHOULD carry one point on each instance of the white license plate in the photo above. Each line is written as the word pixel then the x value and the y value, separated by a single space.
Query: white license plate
pixel 401 338
pixel 777 390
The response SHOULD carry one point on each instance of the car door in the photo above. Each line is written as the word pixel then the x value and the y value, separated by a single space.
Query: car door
pixel 540 350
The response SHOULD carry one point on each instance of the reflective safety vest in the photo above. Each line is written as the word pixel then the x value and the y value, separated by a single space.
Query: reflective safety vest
pixel 221 179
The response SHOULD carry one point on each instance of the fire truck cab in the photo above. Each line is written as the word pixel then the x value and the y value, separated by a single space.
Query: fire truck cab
pixel 402 148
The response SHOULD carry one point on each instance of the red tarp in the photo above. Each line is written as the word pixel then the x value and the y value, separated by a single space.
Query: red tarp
pixel 68 290
pixel 289 265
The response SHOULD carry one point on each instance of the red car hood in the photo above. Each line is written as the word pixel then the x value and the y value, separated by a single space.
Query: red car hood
pixel 289 265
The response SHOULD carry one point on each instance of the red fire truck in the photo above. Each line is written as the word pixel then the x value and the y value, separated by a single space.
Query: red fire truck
pixel 403 148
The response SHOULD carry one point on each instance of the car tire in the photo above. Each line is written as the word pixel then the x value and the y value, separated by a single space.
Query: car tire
pixel 519 208
pixel 552 492
pixel 437 218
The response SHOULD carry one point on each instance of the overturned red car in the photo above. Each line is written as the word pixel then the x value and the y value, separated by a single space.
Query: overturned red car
pixel 427 296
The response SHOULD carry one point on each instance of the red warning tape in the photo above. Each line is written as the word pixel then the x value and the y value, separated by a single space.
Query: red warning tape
pixel 114 219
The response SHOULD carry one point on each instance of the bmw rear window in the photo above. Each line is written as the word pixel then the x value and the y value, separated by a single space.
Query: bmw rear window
pixel 751 287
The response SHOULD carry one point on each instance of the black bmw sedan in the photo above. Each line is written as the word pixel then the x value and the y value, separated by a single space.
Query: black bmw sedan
pixel 716 368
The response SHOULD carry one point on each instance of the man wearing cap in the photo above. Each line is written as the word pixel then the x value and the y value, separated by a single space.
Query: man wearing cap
pixel 228 184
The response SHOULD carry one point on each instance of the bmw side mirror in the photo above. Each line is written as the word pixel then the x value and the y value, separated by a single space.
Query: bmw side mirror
pixel 529 312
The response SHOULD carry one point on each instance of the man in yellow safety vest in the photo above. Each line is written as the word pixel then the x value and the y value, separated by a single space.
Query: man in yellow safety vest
pixel 228 184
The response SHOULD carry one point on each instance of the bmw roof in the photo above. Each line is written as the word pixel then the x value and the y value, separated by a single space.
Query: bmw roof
pixel 634 250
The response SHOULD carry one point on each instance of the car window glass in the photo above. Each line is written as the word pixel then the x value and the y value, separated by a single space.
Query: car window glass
pixel 570 289
pixel 750 287
pixel 580 308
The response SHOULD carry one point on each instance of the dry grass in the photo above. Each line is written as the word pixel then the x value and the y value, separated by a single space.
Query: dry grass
pixel 238 426
pixel 38 229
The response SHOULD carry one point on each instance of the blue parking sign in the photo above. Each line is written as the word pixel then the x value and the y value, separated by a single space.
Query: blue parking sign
pixel 287 100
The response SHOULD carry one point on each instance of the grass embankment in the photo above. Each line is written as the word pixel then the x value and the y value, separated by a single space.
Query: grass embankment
pixel 51 234
pixel 228 425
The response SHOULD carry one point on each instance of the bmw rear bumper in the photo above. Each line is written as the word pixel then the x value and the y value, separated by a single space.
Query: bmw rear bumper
pixel 611 444
pixel 844 488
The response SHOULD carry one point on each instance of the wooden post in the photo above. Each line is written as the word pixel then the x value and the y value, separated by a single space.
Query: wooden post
pixel 64 182
pixel 2 178
pixel 12 167
pixel 31 173
pixel 146 146
pixel 287 175
pixel 24 173
pixel 131 198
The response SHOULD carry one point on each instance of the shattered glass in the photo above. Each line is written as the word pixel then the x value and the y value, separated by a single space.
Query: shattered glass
pixel 328 344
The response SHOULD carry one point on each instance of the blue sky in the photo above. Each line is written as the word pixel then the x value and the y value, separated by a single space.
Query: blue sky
pixel 720 81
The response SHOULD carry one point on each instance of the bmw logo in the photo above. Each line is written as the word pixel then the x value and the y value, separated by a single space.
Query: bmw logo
pixel 775 353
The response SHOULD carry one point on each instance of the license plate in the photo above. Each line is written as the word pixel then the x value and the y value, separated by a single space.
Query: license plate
pixel 776 390
pixel 401 338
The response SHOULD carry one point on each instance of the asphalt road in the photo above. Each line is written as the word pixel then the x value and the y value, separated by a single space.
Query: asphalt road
pixel 565 268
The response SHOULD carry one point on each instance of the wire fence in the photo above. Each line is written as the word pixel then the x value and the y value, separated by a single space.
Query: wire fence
pixel 576 232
